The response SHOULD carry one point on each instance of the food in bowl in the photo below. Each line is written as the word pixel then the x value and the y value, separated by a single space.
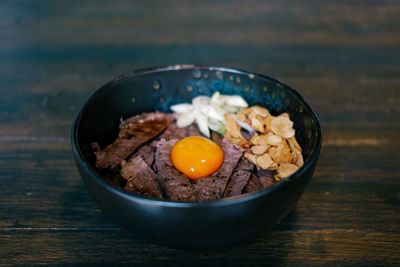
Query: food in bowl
pixel 219 223
pixel 216 147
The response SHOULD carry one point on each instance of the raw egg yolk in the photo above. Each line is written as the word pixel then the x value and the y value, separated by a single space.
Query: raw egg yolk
pixel 197 157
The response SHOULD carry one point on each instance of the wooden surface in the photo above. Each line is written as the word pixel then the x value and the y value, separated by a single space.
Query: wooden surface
pixel 344 57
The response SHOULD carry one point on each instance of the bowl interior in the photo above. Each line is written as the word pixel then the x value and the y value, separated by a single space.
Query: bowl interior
pixel 159 88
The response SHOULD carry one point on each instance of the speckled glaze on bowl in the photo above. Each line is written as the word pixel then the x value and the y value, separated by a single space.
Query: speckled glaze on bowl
pixel 196 224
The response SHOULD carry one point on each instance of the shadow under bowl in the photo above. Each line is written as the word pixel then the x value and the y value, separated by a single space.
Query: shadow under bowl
pixel 191 224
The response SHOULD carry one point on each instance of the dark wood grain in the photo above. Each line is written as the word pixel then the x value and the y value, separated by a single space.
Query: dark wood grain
pixel 104 248
pixel 344 57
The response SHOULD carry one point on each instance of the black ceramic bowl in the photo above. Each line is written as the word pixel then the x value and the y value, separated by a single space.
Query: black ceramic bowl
pixel 196 224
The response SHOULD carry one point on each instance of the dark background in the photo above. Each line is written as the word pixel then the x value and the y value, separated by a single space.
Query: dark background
pixel 343 56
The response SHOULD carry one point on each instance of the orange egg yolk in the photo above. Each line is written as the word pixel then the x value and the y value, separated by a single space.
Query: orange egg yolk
pixel 197 156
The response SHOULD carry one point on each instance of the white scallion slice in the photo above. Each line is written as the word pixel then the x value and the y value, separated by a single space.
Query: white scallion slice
pixel 236 101
pixel 213 112
pixel 202 123
pixel 216 99
pixel 182 108
pixel 185 119
pixel 230 109
pixel 204 109
pixel 201 100
pixel 216 126
pixel 217 113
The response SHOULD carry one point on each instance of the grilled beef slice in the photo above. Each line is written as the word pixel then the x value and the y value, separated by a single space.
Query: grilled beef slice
pixel 193 130
pixel 216 137
pixel 253 185
pixel 260 179
pixel 140 178
pixel 147 152
pixel 173 132
pixel 239 178
pixel 212 187
pixel 175 185
pixel 133 132
pixel 266 177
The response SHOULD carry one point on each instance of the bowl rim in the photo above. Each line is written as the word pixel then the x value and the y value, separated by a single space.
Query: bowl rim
pixel 78 155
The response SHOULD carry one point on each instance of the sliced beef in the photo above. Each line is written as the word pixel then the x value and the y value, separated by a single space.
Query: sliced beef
pixel 133 132
pixel 266 177
pixel 216 137
pixel 213 187
pixel 113 177
pixel 173 132
pixel 147 152
pixel 193 130
pixel 253 185
pixel 152 121
pixel 239 178
pixel 175 185
pixel 140 178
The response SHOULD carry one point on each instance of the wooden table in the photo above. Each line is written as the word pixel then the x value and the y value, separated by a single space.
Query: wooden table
pixel 343 57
